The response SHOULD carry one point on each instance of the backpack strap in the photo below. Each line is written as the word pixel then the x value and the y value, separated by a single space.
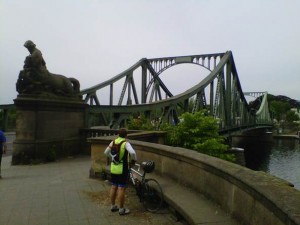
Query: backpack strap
pixel 121 152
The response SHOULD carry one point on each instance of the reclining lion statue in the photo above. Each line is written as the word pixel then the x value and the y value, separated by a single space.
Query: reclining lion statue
pixel 36 79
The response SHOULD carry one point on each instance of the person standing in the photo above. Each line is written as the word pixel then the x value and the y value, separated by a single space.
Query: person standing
pixel 3 147
pixel 119 170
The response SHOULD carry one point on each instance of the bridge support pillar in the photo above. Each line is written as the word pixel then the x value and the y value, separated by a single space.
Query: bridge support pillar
pixel 47 129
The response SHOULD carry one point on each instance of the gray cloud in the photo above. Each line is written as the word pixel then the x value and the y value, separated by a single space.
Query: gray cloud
pixel 95 40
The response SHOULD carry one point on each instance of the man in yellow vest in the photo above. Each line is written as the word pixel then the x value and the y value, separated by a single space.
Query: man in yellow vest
pixel 119 170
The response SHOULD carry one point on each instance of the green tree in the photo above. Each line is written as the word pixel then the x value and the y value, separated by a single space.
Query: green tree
pixel 279 108
pixel 139 123
pixel 291 116
pixel 198 132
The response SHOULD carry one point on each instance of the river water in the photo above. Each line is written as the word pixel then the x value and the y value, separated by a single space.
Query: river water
pixel 280 157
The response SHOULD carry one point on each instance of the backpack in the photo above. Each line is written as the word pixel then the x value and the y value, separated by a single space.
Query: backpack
pixel 116 156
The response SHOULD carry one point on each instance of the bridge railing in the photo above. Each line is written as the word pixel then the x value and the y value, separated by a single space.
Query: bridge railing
pixel 101 132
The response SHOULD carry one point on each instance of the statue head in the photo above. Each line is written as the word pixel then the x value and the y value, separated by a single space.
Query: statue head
pixel 29 44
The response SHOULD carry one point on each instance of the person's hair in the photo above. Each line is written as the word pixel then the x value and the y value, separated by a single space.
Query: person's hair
pixel 122 132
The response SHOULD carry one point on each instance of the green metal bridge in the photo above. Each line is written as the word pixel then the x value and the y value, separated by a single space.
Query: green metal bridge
pixel 220 93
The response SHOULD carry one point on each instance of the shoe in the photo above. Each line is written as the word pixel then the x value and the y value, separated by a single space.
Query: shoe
pixel 123 211
pixel 114 208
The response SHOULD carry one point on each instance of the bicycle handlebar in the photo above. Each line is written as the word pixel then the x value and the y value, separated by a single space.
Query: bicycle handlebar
pixel 138 165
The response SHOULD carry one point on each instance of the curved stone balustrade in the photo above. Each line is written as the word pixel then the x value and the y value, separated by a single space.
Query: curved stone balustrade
pixel 250 197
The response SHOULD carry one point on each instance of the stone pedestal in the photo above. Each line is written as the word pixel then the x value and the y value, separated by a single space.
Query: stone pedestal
pixel 47 129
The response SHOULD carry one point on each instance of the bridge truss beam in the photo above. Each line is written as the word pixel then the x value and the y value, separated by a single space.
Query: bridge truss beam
pixel 220 92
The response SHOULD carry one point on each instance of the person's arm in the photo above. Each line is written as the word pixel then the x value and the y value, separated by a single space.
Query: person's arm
pixel 108 149
pixel 131 151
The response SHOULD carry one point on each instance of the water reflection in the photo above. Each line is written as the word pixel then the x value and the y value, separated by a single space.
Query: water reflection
pixel 280 158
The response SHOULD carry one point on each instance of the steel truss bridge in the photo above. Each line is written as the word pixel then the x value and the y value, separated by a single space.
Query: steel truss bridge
pixel 220 93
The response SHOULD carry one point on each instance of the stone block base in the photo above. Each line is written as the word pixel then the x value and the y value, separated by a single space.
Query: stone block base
pixel 27 152
pixel 47 129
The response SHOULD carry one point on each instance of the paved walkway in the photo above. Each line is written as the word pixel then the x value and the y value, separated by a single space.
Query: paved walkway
pixel 61 193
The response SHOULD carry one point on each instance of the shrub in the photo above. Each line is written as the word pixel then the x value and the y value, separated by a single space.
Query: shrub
pixel 198 132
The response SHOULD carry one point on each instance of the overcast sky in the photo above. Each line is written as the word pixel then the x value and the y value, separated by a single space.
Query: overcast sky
pixel 94 40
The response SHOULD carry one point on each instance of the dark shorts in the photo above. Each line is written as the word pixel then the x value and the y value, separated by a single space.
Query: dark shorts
pixel 119 180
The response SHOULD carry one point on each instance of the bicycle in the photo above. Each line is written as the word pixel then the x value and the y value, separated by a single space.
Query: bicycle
pixel 149 191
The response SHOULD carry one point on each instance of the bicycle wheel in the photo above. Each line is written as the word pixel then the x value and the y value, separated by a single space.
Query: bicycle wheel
pixel 152 195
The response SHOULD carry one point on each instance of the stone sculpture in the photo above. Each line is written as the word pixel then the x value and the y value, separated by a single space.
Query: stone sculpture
pixel 36 79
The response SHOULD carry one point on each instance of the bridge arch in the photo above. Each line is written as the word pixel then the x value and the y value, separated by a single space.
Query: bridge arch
pixel 166 74
pixel 179 78
pixel 160 65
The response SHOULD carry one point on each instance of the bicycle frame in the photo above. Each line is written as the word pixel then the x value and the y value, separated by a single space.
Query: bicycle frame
pixel 137 171
pixel 148 190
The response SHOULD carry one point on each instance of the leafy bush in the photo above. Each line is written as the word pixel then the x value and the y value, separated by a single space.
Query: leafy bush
pixel 291 116
pixel 198 132
pixel 139 123
pixel 213 147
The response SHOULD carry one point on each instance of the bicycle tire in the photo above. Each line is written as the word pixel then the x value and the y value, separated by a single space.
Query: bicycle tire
pixel 152 195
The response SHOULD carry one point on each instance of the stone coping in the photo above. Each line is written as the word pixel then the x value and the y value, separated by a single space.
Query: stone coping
pixel 269 198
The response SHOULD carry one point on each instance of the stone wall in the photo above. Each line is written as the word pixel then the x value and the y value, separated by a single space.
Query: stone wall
pixel 249 196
